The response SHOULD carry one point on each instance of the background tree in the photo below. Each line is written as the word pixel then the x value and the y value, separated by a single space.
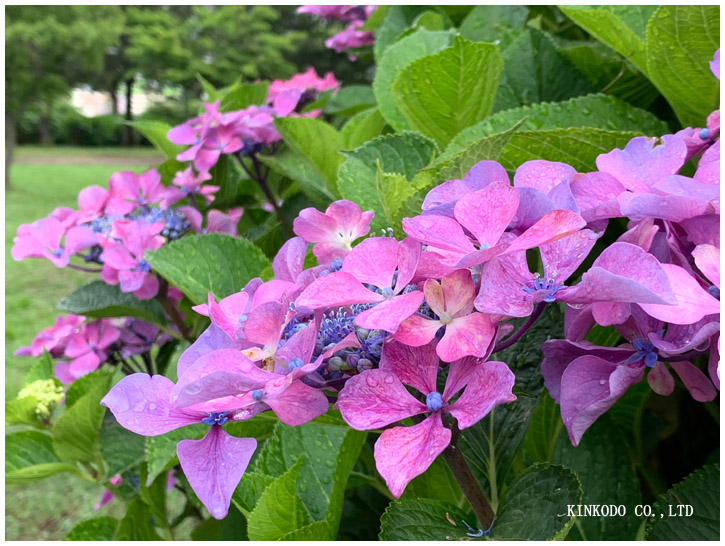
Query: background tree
pixel 48 49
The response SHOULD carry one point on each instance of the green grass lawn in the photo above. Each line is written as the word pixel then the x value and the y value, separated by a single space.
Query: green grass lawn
pixel 142 153
pixel 48 509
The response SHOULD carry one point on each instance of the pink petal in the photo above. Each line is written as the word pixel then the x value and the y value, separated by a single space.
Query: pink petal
pixel 142 404
pixel 464 336
pixel 336 289
pixel 458 291
pixel 211 339
pixel 417 330
pixel 214 465
pixel 402 453
pixel 290 260
pixel 561 258
pixel 118 257
pixel 460 373
pixel 502 292
pixel 131 280
pixel 707 260
pixel 315 227
pixel 416 367
pixel 439 232
pixel 409 252
pixel 695 380
pixel 388 314
pixel 149 288
pixel 265 323
pixel 376 398
pixel 596 195
pixel 297 403
pixel 490 385
pixel 542 175
pixel 660 379
pixel 693 303
pixel 486 213
pixel 373 261
pixel 554 225
pixel 84 364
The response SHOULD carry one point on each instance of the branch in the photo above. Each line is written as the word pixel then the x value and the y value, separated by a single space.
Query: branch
pixel 521 331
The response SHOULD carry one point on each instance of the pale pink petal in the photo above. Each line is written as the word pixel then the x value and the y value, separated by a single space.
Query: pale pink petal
pixel 707 260
pixel 402 453
pixel 693 302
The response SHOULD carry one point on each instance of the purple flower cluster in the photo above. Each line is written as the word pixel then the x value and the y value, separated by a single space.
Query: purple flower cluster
pixel 352 36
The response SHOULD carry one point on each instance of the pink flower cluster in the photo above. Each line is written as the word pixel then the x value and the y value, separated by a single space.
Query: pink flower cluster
pixel 351 37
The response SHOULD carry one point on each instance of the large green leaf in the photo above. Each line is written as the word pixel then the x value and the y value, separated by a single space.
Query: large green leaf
pixel 289 164
pixel 212 262
pixel 279 510
pixel 620 27
pixel 607 475
pixel 534 71
pixel 396 21
pixel 29 456
pixel 681 41
pixel 244 95
pixel 161 450
pixel 535 505
pixel 419 44
pixel 42 369
pixel 21 411
pixel 328 454
pixel 488 23
pixel 75 434
pixel 599 111
pixel 544 430
pixel 316 142
pixel 578 146
pixel 701 491
pixel 95 529
pixel 136 524
pixel 350 100
pixel 155 132
pixel 120 448
pixel 490 445
pixel 423 519
pixel 435 483
pixel 403 154
pixel 98 299
pixel 363 126
pixel 439 95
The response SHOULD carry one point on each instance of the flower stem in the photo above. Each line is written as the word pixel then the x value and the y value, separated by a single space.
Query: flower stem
pixel 86 269
pixel 165 302
pixel 521 331
pixel 466 480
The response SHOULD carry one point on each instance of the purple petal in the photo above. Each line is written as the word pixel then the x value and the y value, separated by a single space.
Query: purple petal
pixel 295 404
pixel 214 465
pixel 562 257
pixel 660 379
pixel 373 261
pixel 290 260
pixel 695 380
pixel 142 404
pixel 212 339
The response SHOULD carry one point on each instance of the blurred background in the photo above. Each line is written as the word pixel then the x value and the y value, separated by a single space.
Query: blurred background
pixel 73 76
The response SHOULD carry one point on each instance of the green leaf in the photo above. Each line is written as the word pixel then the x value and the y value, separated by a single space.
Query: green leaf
pixel 250 489
pixel 75 434
pixel 701 490
pixel 212 262
pixel 98 299
pixel 161 450
pixel 40 471
pixel 489 147
pixel 490 445
pixel 487 23
pixel 328 454
pixel 95 529
pixel 419 44
pixel 435 483
pixel 136 524
pixel 544 430
pixel 534 71
pixel 242 96
pixel 232 527
pixel 279 510
pixel 120 449
pixel 396 21
pixel 155 132
pixel 600 111
pixel 84 385
pixel 42 369
pixel 620 27
pixel 439 95
pixel 289 164
pixel 608 477
pixel 315 141
pixel 317 530
pixel 350 100
pixel 154 496
pixel 578 146
pixel 603 336
pixel 363 126
pixel 28 448
pixel 22 411
pixel 681 41
pixel 535 505
pixel 393 191
pixel 423 519
pixel 403 154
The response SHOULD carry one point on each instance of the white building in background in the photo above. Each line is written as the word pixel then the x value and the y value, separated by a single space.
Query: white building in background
pixel 92 103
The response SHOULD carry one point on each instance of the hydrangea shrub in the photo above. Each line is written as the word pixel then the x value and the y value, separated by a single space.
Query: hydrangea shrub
pixel 438 308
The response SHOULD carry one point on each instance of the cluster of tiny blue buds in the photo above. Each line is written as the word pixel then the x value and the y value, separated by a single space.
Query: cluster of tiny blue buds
pixel 645 350
pixel 216 418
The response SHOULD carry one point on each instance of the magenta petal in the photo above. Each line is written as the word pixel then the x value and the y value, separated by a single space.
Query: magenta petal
pixel 489 385
pixel 417 330
pixel 439 232
pixel 542 175
pixel 503 293
pixel 553 226
pixel 561 258
pixel 373 261
pixel 265 323
pixel 660 379
pixel 695 380
pixel 315 227
pixel 336 289
pixel 376 398
pixel 416 367
pixel 299 345
pixel 486 213
pixel 707 259
pixel 596 195
pixel 142 404
pixel 211 339
pixel 466 336
pixel 402 453
pixel 388 314
pixel 84 364
pixel 409 252
pixel 214 465
pixel 589 387
pixel 131 280
pixel 693 303
pixel 297 403
pixel 459 374
pixel 290 260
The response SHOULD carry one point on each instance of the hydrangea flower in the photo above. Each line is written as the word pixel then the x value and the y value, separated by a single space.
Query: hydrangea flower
pixel 377 398
pixel 48 238
pixel 188 184
pixel 53 339
pixel 128 190
pixel 87 349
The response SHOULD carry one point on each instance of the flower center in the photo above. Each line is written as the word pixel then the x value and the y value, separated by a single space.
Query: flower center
pixel 257 395
pixel 542 283
pixel 143 265
pixel 215 418
pixel 644 351
pixel 714 291
pixel 434 401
